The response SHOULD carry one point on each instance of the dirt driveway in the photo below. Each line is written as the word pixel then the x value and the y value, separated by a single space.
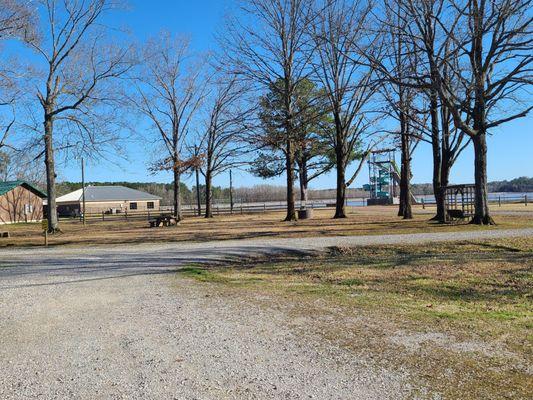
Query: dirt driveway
pixel 86 333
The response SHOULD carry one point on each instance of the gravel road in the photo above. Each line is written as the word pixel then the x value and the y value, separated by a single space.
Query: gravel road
pixel 118 323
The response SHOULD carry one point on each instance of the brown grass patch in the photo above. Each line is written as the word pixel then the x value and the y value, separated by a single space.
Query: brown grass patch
pixel 361 221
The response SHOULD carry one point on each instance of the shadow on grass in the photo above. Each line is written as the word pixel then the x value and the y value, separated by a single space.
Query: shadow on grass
pixel 456 285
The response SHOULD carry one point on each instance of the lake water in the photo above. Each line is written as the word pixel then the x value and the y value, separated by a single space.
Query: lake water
pixel 505 197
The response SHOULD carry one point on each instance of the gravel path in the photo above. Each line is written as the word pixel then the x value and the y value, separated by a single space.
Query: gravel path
pixel 119 323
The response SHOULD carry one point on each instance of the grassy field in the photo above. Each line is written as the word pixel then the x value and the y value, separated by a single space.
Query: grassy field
pixel 361 221
pixel 459 316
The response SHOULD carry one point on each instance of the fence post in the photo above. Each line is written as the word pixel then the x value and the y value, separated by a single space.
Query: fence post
pixel 525 199
pixel 126 215
pixel 423 204
pixel 103 215
pixel 499 201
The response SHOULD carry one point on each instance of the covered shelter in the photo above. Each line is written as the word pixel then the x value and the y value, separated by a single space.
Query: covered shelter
pixel 20 201
pixel 106 199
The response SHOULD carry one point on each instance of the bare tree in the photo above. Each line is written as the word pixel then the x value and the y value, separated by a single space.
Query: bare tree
pixel 222 144
pixel 15 18
pixel 15 21
pixel 170 90
pixel 267 46
pixel 398 61
pixel 77 95
pixel 480 70
pixel 446 140
pixel 341 36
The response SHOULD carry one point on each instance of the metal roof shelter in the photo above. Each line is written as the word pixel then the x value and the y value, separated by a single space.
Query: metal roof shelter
pixel 10 185
pixel 107 193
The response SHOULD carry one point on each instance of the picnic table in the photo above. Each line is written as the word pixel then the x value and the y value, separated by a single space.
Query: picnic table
pixel 163 220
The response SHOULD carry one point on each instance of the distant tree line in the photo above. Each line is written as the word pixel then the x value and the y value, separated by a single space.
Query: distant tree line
pixel 522 184
pixel 267 193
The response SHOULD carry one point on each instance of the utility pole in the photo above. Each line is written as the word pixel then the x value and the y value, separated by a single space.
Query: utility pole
pixel 230 192
pixel 83 189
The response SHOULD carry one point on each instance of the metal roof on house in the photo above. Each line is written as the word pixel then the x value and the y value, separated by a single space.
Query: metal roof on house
pixel 107 193
pixel 10 185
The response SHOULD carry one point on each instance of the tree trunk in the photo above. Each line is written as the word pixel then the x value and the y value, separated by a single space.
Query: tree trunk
pixel 446 166
pixel 198 198
pixel 405 210
pixel 303 183
pixel 340 211
pixel 208 197
pixel 291 210
pixel 53 225
pixel 303 194
pixel 482 216
pixel 177 194
pixel 437 159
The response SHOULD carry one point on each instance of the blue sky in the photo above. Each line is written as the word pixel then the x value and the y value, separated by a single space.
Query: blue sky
pixel 510 147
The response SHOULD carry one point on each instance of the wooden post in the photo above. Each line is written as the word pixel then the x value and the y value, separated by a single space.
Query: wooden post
pixel 44 224
pixel 499 201
pixel 525 199
pixel 423 204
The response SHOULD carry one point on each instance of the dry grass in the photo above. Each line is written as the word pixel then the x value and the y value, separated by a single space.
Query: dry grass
pixel 361 221
pixel 458 315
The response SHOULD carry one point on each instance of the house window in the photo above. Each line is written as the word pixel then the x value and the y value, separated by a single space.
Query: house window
pixel 133 206
pixel 28 208
pixel 150 205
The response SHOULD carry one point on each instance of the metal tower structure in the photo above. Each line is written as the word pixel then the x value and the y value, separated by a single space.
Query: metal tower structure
pixel 382 177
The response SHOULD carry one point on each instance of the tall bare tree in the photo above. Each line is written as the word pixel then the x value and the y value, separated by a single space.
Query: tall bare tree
pixel 222 144
pixel 77 94
pixel 268 45
pixel 170 91
pixel 446 141
pixel 398 61
pixel 481 70
pixel 341 35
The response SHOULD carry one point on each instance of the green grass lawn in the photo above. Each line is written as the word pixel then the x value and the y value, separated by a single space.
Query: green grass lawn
pixel 459 314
